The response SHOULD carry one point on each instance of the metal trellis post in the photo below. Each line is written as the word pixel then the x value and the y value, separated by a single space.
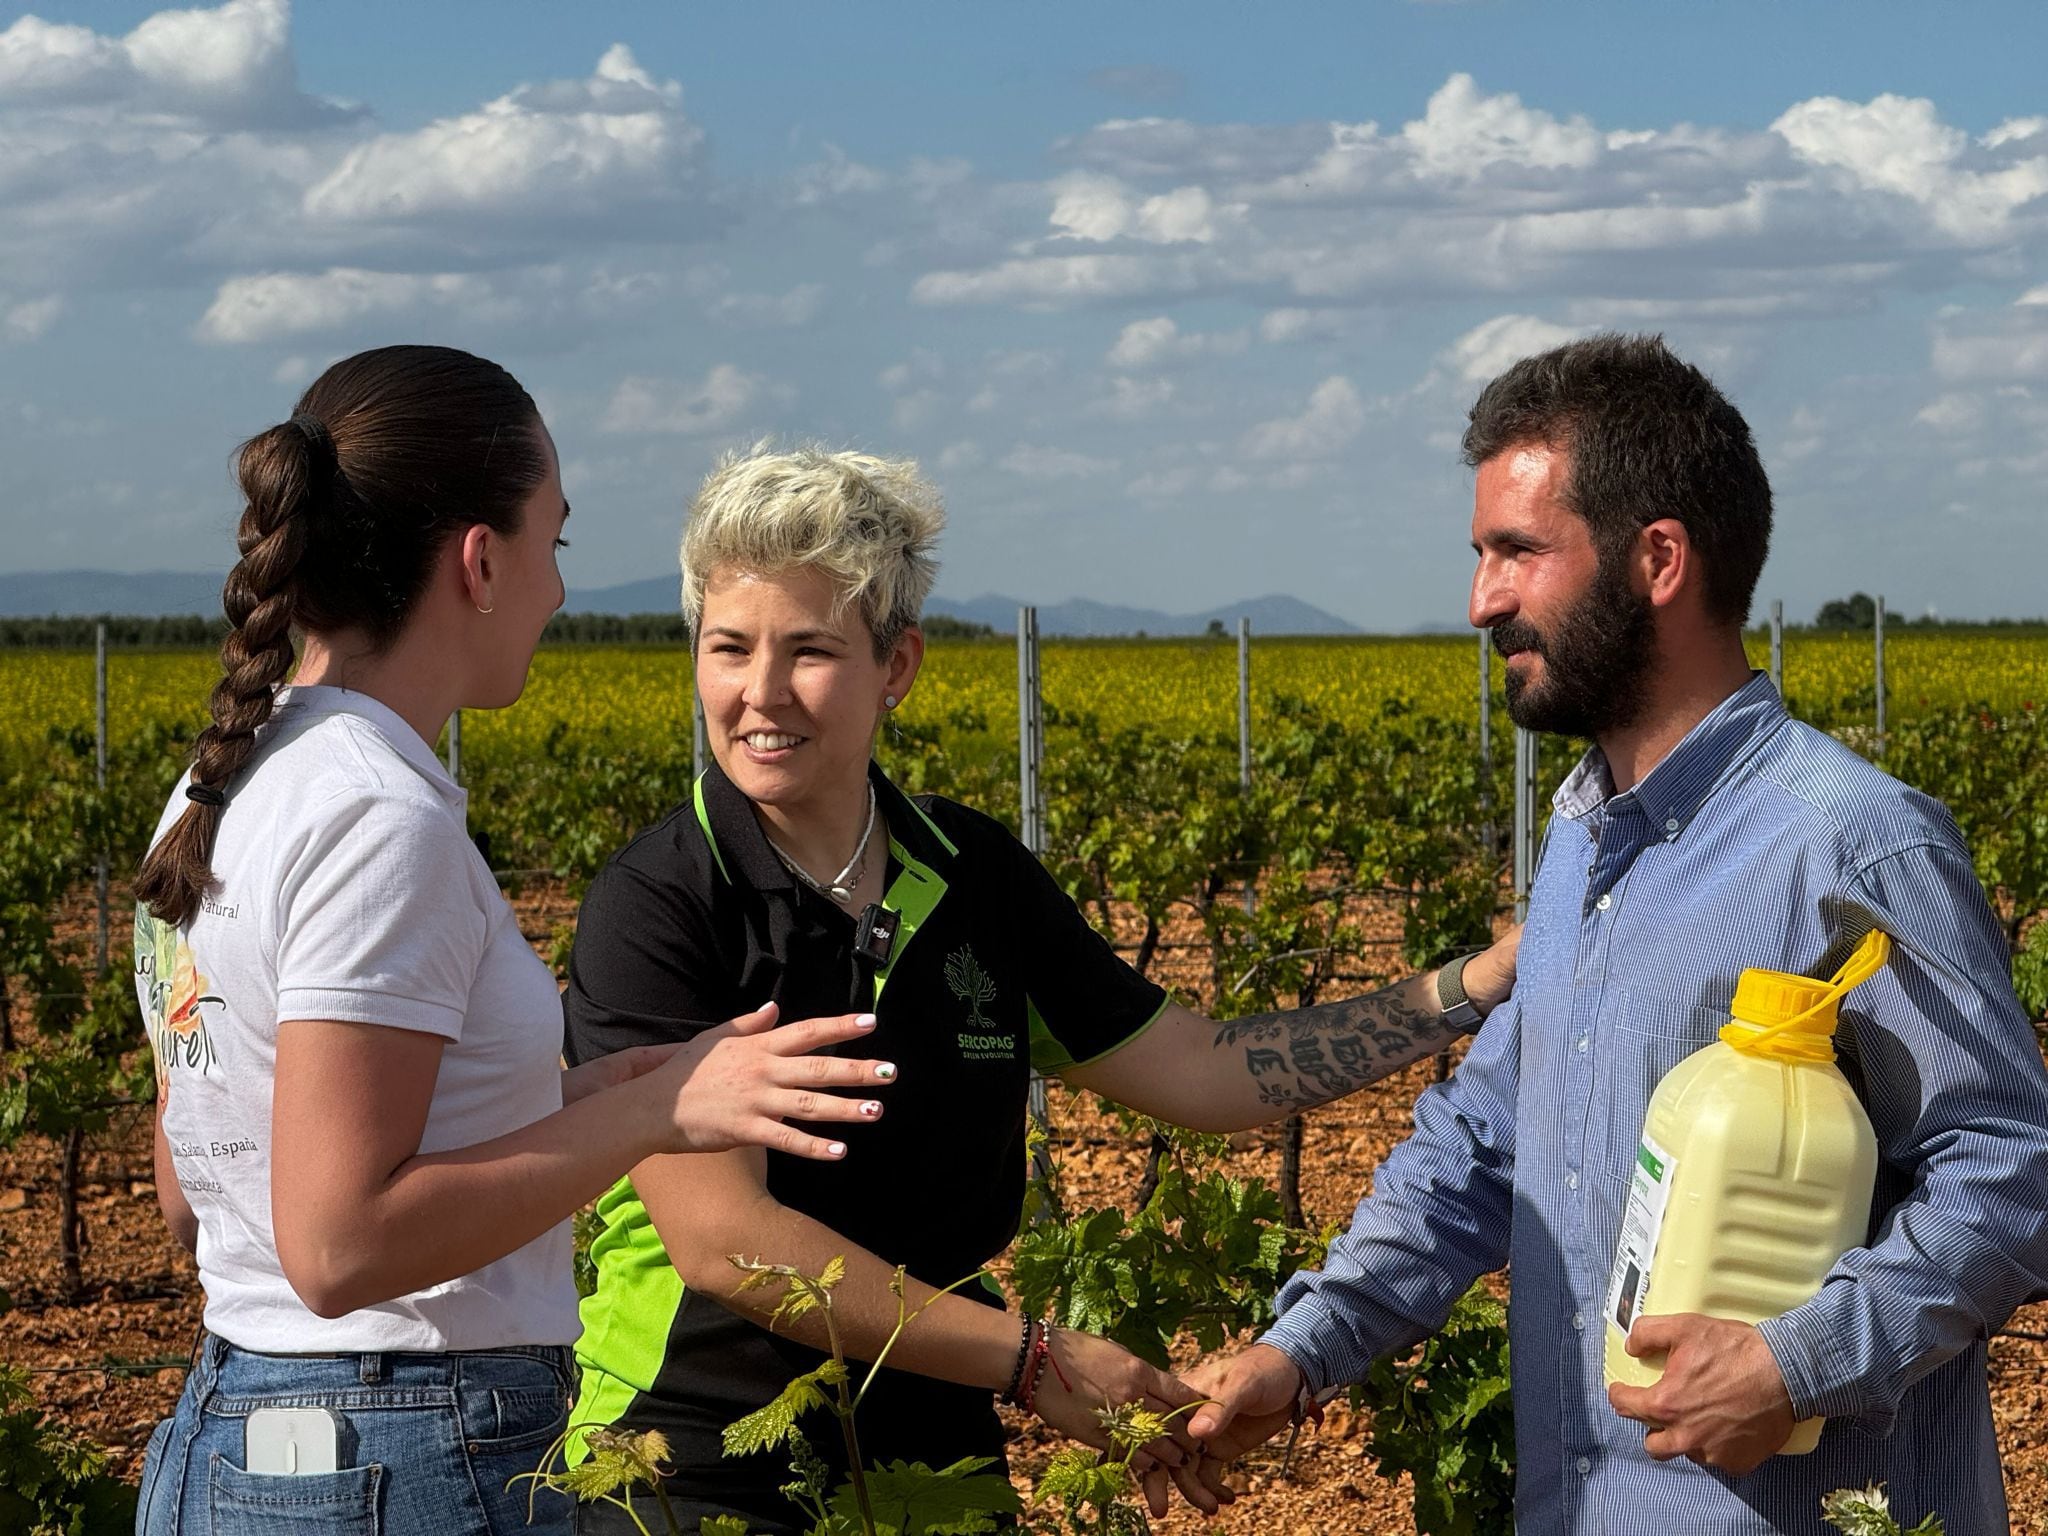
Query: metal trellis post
pixel 1030 734
pixel 1526 754
pixel 1244 739
pixel 1486 744
pixel 1031 812
pixel 1878 631
pixel 1778 646
pixel 99 715
pixel 455 746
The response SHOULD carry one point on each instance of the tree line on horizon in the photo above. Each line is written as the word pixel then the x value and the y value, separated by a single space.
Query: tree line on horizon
pixel 1858 611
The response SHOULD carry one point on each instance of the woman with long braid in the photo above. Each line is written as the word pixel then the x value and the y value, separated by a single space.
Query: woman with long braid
pixel 364 1129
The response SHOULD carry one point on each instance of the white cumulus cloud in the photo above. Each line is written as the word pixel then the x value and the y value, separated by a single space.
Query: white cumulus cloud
pixel 1464 132
pixel 1100 208
pixel 1334 415
pixel 271 305
pixel 1090 207
pixel 663 406
pixel 595 147
pixel 1486 195
pixel 231 65
pixel 1490 348
pixel 1899 144
pixel 41 59
pixel 1158 340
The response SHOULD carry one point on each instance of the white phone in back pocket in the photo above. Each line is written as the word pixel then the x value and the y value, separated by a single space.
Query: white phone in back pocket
pixel 287 1442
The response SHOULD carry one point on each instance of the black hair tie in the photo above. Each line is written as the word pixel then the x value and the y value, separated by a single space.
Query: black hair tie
pixel 318 439
pixel 205 794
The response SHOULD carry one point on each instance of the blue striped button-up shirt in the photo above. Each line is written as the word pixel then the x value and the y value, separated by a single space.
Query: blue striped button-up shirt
pixel 1741 848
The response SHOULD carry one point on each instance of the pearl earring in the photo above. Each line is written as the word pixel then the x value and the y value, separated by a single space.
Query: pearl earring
pixel 888 701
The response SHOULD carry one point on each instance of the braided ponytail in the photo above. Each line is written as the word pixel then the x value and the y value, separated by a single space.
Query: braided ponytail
pixel 389 454
pixel 279 471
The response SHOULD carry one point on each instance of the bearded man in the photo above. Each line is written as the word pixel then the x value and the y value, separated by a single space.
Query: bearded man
pixel 1621 517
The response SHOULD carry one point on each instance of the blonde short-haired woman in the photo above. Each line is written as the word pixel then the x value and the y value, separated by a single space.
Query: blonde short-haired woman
pixel 798 871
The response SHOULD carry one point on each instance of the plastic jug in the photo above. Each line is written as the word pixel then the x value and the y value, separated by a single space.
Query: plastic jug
pixel 1754 1173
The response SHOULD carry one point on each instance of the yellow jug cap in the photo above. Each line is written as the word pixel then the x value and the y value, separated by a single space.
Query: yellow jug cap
pixel 1765 998
pixel 1792 1018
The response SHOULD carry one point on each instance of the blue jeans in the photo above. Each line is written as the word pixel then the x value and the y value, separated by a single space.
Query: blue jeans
pixel 429 1443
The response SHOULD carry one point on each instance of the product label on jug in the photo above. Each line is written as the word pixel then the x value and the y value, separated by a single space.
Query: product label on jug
pixel 1649 1191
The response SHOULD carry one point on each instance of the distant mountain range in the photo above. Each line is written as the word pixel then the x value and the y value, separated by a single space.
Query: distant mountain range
pixel 1272 615
pixel 1080 616
pixel 145 594
pixel 39 593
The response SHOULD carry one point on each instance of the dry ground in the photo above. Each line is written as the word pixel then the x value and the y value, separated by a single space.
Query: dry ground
pixel 111 1360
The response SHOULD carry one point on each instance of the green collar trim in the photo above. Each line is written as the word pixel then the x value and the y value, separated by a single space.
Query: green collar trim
pixel 704 821
pixel 945 842
pixel 913 896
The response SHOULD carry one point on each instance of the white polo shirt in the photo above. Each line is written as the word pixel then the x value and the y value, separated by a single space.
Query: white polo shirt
pixel 348 889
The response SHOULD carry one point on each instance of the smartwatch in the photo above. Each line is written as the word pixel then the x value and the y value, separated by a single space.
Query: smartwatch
pixel 1459 1011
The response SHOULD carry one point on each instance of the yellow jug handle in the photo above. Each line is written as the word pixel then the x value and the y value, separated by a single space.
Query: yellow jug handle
pixel 1864 962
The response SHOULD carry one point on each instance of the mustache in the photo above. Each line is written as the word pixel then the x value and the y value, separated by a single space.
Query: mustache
pixel 1511 635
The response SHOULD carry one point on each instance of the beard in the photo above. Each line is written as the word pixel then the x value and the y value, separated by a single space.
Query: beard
pixel 1596 661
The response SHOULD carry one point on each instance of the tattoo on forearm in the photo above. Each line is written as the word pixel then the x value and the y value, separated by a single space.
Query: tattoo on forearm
pixel 1310 1056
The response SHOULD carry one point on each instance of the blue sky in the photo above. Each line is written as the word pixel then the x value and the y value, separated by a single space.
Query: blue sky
pixel 1178 304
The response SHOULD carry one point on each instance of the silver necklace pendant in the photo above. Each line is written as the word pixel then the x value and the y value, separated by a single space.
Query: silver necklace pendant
pixel 840 887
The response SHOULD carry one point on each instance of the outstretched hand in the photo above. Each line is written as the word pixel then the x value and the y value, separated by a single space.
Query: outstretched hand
pixel 1251 1398
pixel 1087 1374
pixel 743 1083
pixel 1722 1402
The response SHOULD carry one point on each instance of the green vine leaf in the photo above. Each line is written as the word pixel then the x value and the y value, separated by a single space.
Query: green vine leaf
pixel 910 1499
pixel 767 1427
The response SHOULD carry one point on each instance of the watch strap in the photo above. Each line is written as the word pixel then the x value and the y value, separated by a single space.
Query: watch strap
pixel 1459 1011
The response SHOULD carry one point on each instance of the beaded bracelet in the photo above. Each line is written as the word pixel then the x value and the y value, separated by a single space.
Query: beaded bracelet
pixel 1023 1356
pixel 1041 1351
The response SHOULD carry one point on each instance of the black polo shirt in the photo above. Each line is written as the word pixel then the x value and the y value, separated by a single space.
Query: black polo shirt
pixel 992 969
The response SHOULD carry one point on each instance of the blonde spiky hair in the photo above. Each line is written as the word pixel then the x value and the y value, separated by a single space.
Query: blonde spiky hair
pixel 869 523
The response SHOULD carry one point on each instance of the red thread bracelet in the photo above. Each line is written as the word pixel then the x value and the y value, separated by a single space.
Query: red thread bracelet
pixel 1055 1359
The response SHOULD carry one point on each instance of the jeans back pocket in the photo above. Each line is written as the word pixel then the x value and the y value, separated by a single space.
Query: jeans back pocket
pixel 344 1503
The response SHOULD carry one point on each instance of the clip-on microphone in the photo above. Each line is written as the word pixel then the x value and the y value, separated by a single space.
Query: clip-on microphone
pixel 875 934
